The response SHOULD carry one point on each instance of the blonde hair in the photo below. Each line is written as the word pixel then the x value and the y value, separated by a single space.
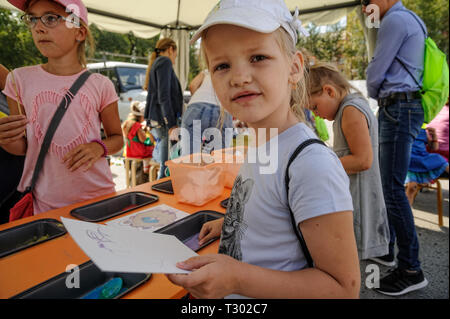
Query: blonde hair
pixel 299 95
pixel 161 46
pixel 322 73
pixel 87 45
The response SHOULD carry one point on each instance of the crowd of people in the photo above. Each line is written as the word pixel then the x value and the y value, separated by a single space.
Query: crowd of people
pixel 348 203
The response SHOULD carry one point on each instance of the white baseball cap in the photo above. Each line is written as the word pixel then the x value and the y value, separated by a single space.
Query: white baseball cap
pixel 263 16
pixel 137 108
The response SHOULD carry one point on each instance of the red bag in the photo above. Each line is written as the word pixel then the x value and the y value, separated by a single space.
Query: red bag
pixel 23 208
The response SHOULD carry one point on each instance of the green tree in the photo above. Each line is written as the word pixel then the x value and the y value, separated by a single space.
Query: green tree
pixel 355 50
pixel 435 14
pixel 322 43
pixel 16 42
pixel 126 44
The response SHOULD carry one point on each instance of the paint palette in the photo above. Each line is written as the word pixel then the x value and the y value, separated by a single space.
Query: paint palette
pixel 113 206
pixel 188 228
pixel 81 282
pixel 30 234
pixel 164 187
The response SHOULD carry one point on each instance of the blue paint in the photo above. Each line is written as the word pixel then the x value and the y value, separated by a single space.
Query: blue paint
pixel 106 291
pixel 150 220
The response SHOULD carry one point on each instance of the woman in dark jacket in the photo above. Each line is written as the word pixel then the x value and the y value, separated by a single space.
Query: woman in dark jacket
pixel 165 98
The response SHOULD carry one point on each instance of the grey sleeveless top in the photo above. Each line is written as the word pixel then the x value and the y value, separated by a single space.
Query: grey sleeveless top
pixel 369 214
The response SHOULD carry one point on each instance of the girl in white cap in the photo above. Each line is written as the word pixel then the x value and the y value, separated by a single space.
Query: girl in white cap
pixel 75 167
pixel 259 78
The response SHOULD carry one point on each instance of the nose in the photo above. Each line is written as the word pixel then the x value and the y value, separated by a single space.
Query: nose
pixel 39 27
pixel 240 76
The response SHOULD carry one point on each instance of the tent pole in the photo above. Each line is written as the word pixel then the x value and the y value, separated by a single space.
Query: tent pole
pixel 331 7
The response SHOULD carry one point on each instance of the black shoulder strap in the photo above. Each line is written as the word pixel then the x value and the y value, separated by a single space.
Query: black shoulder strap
pixel 57 117
pixel 410 73
pixel 286 180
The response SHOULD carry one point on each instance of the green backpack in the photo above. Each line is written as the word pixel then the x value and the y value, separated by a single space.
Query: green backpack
pixel 321 128
pixel 435 86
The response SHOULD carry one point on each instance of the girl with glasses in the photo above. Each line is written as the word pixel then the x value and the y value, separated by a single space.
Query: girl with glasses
pixel 75 168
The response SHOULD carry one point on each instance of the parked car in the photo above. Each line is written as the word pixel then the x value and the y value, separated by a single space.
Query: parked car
pixel 128 79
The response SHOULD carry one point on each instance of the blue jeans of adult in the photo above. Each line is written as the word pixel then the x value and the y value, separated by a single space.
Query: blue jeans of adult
pixel 161 151
pixel 399 123
pixel 209 115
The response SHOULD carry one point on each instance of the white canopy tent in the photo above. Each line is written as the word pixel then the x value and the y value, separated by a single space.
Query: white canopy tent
pixel 147 18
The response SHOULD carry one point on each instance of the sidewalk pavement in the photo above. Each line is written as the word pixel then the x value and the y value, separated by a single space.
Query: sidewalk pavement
pixel 433 240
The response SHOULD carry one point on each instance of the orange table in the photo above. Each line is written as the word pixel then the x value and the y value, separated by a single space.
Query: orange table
pixel 29 267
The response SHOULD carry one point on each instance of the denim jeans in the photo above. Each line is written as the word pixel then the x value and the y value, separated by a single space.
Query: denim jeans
pixel 209 115
pixel 399 123
pixel 161 151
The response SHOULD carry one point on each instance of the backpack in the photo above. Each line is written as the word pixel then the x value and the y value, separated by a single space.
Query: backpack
pixel 321 128
pixel 435 85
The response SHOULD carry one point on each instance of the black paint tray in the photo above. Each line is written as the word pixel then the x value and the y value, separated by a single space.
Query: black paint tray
pixel 188 228
pixel 113 206
pixel 164 187
pixel 30 234
pixel 90 277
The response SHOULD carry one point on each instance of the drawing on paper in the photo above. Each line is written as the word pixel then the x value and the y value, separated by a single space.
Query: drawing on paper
pixel 151 219
pixel 104 241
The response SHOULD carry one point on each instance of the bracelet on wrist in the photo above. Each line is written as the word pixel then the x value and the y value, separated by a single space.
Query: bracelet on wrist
pixel 105 150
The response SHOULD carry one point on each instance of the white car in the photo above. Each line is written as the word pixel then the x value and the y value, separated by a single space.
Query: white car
pixel 128 79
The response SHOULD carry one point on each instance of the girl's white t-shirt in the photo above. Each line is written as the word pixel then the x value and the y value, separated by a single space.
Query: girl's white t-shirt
pixel 205 93
pixel 257 227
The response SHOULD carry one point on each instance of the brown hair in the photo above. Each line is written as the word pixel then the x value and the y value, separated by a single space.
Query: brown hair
pixel 299 96
pixel 161 46
pixel 322 73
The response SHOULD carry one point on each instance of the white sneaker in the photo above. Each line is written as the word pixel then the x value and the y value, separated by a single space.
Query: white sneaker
pixel 384 260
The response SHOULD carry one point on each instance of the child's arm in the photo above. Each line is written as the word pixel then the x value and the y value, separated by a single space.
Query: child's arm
pixel 196 82
pixel 331 242
pixel 12 128
pixel 433 143
pixel 356 132
pixel 87 154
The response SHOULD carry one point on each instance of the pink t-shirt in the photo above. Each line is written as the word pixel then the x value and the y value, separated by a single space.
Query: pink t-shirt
pixel 41 93
pixel 441 123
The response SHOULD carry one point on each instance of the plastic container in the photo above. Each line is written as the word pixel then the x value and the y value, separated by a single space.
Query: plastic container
pixel 164 187
pixel 27 235
pixel 90 277
pixel 188 228
pixel 196 179
pixel 231 159
pixel 113 206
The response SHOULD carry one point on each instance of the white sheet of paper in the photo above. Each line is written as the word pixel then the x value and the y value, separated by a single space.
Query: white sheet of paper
pixel 150 219
pixel 130 251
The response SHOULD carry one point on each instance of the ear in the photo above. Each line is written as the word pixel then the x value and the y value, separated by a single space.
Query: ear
pixel 330 90
pixel 81 34
pixel 297 65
